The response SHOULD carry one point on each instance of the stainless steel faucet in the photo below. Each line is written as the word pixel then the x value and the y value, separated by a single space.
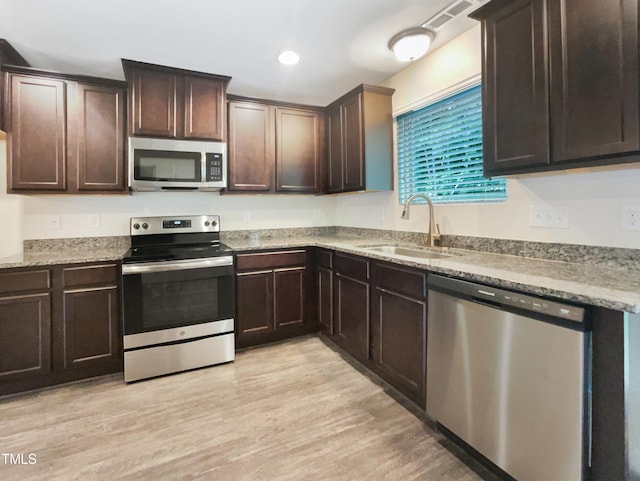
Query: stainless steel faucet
pixel 433 236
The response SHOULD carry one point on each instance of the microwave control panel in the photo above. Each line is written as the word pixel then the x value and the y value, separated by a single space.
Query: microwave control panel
pixel 214 167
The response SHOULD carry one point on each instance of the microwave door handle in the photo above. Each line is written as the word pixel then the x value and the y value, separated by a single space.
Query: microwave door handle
pixel 203 166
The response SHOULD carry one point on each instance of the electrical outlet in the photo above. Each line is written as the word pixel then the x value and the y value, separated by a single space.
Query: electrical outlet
pixel 630 217
pixel 551 217
pixel 94 220
pixel 246 216
pixel 52 222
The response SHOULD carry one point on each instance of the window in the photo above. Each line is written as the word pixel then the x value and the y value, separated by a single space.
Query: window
pixel 440 152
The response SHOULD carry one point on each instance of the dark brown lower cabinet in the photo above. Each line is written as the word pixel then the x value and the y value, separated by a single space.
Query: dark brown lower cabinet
pixel 351 305
pixel 376 312
pixel 271 297
pixel 25 336
pixel 399 328
pixel 324 290
pixel 91 317
pixel 58 324
pixel 254 312
pixel 325 299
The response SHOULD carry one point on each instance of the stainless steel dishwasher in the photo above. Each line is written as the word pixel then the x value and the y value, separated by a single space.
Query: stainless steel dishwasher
pixel 508 374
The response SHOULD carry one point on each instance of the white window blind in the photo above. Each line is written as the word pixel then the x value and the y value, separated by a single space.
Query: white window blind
pixel 440 152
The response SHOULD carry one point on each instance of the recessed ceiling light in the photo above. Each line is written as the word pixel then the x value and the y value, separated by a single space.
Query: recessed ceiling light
pixel 288 57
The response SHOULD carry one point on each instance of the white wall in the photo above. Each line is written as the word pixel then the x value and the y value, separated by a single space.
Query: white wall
pixel 593 197
pixel 265 212
pixel 10 211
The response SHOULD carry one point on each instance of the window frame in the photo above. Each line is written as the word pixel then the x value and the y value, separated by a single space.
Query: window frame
pixel 479 189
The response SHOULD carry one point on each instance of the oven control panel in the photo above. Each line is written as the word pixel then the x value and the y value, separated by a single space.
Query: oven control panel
pixel 178 224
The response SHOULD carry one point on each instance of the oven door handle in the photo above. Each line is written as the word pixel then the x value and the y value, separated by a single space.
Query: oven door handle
pixel 167 266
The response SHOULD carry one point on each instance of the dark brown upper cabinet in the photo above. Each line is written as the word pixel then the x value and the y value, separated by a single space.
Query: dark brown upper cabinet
pixel 8 56
pixel 298 150
pixel 360 140
pixel 251 151
pixel 176 103
pixel 275 147
pixel 65 133
pixel 560 84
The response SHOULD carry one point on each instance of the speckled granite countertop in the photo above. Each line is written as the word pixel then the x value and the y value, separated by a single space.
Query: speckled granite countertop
pixel 610 287
pixel 47 258
pixel 613 288
pixel 49 252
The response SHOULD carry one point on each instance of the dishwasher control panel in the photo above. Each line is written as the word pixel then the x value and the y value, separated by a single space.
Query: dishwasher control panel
pixel 513 299
pixel 530 303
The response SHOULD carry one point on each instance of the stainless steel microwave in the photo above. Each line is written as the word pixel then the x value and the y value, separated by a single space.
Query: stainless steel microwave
pixel 168 164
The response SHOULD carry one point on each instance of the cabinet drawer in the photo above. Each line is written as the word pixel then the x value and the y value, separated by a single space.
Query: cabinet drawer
pixel 90 275
pixel 264 260
pixel 25 280
pixel 324 258
pixel 354 267
pixel 408 282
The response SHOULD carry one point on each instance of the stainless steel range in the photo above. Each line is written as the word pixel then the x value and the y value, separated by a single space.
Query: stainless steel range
pixel 178 296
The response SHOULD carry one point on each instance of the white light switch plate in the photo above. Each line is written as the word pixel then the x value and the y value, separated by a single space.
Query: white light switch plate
pixel 550 217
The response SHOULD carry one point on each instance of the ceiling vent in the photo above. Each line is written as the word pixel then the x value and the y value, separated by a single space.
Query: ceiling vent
pixel 449 13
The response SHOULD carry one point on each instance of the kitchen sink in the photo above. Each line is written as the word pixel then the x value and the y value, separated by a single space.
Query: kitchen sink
pixel 408 252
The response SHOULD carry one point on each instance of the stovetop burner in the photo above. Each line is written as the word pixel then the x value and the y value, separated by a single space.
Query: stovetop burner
pixel 158 239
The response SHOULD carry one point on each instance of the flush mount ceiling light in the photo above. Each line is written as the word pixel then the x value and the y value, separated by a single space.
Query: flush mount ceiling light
pixel 411 44
pixel 288 57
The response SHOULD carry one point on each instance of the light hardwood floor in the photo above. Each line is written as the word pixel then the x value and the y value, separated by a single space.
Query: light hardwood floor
pixel 290 411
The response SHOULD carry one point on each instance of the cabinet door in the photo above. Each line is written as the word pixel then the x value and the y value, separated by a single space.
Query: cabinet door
pixel 398 341
pixel 325 299
pixel 96 141
pixel 25 336
pixel 288 295
pixel 254 307
pixel 8 56
pixel 594 78
pixel 353 159
pixel 37 140
pixel 250 147
pixel 335 150
pixel 204 108
pixel 297 150
pixel 153 103
pixel 91 327
pixel 515 87
pixel 351 299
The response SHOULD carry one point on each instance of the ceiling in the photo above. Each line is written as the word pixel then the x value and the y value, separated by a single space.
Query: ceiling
pixel 342 43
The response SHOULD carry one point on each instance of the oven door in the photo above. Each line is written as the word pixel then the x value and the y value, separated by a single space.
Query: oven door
pixel 165 295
